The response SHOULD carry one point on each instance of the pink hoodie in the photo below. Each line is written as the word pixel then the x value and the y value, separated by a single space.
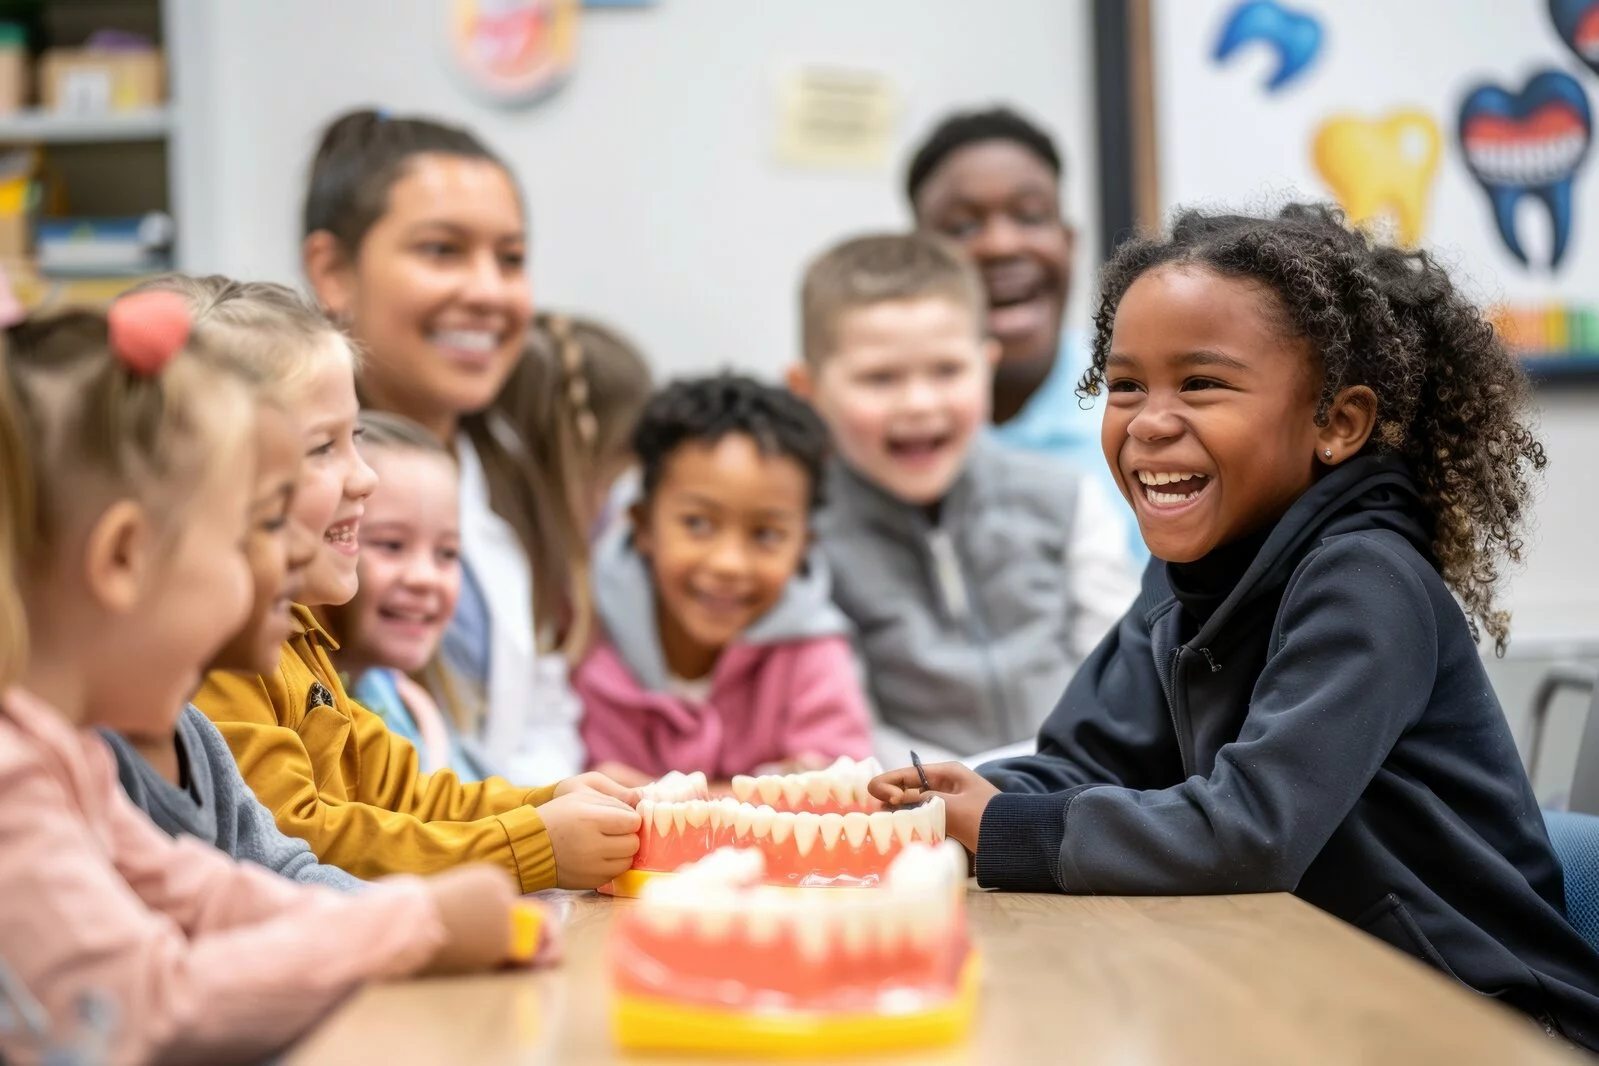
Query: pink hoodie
pixel 203 958
pixel 787 688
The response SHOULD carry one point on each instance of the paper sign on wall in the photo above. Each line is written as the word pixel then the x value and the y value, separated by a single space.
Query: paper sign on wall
pixel 835 118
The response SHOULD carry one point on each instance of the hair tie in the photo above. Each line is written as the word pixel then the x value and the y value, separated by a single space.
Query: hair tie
pixel 147 329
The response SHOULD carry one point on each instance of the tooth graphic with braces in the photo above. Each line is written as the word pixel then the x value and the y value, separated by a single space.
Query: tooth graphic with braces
pixel 717 957
pixel 820 828
pixel 1577 23
pixel 1533 143
pixel 1293 36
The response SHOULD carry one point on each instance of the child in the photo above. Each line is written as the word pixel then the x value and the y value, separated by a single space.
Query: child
pixel 187 782
pixel 722 652
pixel 410 579
pixel 328 769
pixel 978 578
pixel 1323 440
pixel 135 566
pixel 415 241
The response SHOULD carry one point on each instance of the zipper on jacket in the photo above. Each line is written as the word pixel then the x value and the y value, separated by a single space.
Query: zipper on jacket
pixel 1215 667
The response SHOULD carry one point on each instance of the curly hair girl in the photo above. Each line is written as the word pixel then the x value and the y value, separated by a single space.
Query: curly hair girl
pixel 1449 396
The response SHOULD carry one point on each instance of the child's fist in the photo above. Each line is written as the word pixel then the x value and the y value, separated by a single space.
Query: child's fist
pixel 594 837
pixel 475 905
pixel 966 794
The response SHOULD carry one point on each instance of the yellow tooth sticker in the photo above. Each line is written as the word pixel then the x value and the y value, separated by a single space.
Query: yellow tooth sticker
pixel 1382 166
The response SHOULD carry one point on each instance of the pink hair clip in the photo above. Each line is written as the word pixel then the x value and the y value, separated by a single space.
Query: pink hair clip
pixel 148 329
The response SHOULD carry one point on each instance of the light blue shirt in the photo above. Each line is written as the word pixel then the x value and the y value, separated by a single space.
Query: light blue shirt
pixel 1056 421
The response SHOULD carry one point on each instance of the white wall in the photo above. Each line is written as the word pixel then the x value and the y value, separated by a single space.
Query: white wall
pixel 655 200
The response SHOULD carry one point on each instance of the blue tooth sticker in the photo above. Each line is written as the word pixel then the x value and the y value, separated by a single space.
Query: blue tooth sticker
pixel 1529 144
pixel 1577 23
pixel 1295 37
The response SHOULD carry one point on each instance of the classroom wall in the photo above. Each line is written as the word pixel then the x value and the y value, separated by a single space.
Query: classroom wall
pixel 655 198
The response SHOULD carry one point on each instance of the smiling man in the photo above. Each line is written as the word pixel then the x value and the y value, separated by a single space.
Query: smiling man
pixel 991 181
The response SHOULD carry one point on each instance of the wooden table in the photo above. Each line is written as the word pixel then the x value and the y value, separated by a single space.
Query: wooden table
pixel 1235 980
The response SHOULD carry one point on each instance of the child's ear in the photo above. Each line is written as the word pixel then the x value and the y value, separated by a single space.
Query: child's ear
pixel 638 514
pixel 1350 420
pixel 119 556
pixel 327 267
pixel 992 351
pixel 800 381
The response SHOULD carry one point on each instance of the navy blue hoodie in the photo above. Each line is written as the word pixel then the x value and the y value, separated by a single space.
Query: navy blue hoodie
pixel 1326 729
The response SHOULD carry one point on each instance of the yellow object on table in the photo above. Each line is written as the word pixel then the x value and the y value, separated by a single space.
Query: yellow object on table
pixel 527 924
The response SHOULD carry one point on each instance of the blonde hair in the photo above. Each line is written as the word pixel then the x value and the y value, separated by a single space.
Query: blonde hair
pixel 882 268
pixel 267 326
pixel 574 399
pixel 92 423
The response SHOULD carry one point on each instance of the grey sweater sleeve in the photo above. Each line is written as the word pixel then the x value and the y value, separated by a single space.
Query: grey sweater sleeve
pixel 245 828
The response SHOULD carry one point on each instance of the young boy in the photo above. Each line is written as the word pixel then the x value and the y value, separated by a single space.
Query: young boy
pixel 187 782
pixel 977 577
pixel 722 652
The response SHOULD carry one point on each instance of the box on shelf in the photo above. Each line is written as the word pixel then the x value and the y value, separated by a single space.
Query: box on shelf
pixel 14 68
pixel 99 80
pixel 103 247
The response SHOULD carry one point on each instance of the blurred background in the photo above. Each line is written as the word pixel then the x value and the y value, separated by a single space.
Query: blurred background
pixel 683 158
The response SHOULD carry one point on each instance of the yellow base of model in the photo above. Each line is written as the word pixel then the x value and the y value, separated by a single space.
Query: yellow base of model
pixel 630 885
pixel 648 1022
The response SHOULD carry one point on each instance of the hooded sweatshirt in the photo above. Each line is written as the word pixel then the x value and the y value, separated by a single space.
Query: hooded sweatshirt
pixel 786 688
pixel 215 806
pixel 1320 723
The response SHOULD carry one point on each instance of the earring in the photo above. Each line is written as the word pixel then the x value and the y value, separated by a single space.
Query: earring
pixel 1326 453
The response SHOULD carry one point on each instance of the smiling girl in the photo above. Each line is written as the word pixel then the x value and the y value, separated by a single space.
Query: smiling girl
pixel 1325 442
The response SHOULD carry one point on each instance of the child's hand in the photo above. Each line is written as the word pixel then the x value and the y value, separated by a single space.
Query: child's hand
pixel 965 792
pixel 475 905
pixel 622 774
pixel 594 837
pixel 605 783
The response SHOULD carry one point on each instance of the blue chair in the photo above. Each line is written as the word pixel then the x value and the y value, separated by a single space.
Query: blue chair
pixel 1576 841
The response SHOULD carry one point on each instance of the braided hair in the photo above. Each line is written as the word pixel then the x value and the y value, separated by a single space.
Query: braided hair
pixel 1450 396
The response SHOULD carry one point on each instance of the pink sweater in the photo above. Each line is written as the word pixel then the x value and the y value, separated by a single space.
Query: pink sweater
pixel 767 702
pixel 205 959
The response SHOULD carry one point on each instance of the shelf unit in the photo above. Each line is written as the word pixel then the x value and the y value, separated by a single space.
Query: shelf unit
pixel 36 126
pixel 1556 368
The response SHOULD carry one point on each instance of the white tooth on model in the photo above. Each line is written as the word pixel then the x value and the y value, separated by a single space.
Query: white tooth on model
pixel 783 826
pixel 854 922
pixel 699 812
pixel 935 813
pixel 817 786
pixel 664 918
pixel 904 825
pixel 793 790
pixel 714 914
pixel 761 821
pixel 699 788
pixel 924 823
pixel 843 782
pixel 832 829
pixel 680 815
pixel 646 812
pixel 807 826
pixel 856 826
pixel 741 823
pixel 770 787
pixel 663 817
pixel 810 929
pixel 882 826
pixel 763 914
pixel 743 787
pixel 730 808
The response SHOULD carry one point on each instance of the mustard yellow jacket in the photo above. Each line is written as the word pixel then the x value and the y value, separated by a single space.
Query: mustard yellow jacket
pixel 333 775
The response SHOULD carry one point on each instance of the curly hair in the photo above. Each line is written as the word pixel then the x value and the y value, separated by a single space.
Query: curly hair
pixel 1450 396
pixel 705 410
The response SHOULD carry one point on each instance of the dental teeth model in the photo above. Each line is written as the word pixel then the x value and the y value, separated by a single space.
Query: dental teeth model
pixel 716 959
pixel 812 829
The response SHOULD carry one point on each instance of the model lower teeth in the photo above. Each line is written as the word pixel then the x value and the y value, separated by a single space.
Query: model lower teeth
pixel 814 828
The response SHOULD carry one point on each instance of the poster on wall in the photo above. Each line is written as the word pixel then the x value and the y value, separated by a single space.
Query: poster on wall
pixel 1469 137
pixel 512 52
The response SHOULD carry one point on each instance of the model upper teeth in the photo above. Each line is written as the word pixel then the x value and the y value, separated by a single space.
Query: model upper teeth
pixel 471 340
pixel 1149 477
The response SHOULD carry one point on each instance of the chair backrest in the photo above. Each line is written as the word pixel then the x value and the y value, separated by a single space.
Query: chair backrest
pixel 1576 841
pixel 1585 785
